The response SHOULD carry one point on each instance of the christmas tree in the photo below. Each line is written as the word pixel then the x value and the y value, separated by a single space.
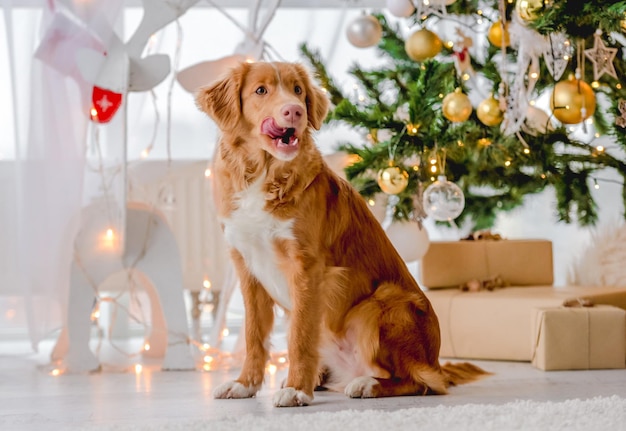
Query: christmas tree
pixel 439 154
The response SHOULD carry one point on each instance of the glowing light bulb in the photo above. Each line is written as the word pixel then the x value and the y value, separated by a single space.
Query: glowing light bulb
pixel 600 148
pixel 93 113
pixel 507 163
pixel 206 346
pixel 145 153
pixel 595 84
pixel 146 347
pixel 95 314
pixel 109 233
pixel 208 359
pixel 526 151
pixel 534 75
pixel 138 368
pixel 206 283
pixel 272 369
pixel 371 202
pixel 56 372
pixel 225 332
pixel 433 169
pixel 416 168
pixel 596 186
pixel 282 360
pixel 207 172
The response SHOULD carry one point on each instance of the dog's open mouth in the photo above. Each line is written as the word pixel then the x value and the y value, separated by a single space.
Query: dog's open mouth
pixel 283 137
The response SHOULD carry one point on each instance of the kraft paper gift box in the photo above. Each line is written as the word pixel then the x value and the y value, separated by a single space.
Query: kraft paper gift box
pixel 517 262
pixel 579 338
pixel 497 324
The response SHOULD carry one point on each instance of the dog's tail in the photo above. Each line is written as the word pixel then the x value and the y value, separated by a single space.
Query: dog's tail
pixel 462 372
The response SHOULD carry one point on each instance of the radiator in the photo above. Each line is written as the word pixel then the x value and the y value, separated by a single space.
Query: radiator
pixel 182 191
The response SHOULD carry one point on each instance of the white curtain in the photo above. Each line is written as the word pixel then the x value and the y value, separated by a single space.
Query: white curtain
pixel 43 158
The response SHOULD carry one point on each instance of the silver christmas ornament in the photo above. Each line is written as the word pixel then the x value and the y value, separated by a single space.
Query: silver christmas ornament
pixel 365 31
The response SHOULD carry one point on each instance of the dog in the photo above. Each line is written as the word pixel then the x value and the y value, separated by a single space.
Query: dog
pixel 303 238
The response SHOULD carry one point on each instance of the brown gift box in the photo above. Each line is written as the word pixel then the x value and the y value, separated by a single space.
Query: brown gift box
pixel 517 262
pixel 497 324
pixel 579 338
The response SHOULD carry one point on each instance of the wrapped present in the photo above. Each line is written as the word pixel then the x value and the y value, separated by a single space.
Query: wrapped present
pixel 579 338
pixel 497 324
pixel 515 262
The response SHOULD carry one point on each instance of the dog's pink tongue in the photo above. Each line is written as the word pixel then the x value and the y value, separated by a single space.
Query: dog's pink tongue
pixel 270 128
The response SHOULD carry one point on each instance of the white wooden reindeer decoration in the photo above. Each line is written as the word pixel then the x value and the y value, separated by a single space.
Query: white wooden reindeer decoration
pixel 145 246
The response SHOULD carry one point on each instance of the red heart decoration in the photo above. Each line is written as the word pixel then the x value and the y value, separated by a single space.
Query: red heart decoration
pixel 105 104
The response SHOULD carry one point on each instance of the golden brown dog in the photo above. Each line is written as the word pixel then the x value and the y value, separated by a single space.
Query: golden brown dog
pixel 303 238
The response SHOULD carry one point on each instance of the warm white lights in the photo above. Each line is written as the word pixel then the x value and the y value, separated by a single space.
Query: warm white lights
pixel 206 283
pixel 225 332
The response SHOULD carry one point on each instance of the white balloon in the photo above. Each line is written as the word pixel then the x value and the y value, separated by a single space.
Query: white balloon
pixel 400 8
pixel 410 241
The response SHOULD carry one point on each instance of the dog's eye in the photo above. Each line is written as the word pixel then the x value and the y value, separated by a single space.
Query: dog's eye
pixel 261 90
pixel 297 89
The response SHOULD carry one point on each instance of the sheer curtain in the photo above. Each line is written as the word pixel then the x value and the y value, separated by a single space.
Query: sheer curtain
pixel 43 163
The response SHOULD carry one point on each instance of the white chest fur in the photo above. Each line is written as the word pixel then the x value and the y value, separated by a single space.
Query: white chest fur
pixel 252 230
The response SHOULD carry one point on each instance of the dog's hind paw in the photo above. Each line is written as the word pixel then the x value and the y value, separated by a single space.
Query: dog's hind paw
pixel 362 387
pixel 234 390
pixel 290 397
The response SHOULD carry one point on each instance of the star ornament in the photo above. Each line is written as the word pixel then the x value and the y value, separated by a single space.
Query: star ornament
pixel 601 57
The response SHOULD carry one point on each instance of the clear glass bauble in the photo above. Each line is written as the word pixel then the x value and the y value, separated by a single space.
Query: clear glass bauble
pixel 443 200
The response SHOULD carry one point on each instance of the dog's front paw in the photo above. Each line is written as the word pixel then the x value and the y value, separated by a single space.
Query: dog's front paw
pixel 290 397
pixel 234 390
pixel 362 387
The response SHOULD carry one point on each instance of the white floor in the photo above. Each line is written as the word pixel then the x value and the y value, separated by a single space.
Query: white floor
pixel 31 398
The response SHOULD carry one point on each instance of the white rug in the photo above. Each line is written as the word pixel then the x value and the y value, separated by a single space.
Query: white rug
pixel 596 414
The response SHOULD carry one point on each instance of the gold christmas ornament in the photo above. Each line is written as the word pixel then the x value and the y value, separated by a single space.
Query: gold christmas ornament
pixel 497 36
pixel 529 10
pixel 456 106
pixel 572 101
pixel 393 180
pixel 423 44
pixel 489 112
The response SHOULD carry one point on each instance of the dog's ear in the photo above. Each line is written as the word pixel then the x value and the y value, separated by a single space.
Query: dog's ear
pixel 317 103
pixel 221 100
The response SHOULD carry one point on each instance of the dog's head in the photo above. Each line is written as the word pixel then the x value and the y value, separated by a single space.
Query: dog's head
pixel 271 104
